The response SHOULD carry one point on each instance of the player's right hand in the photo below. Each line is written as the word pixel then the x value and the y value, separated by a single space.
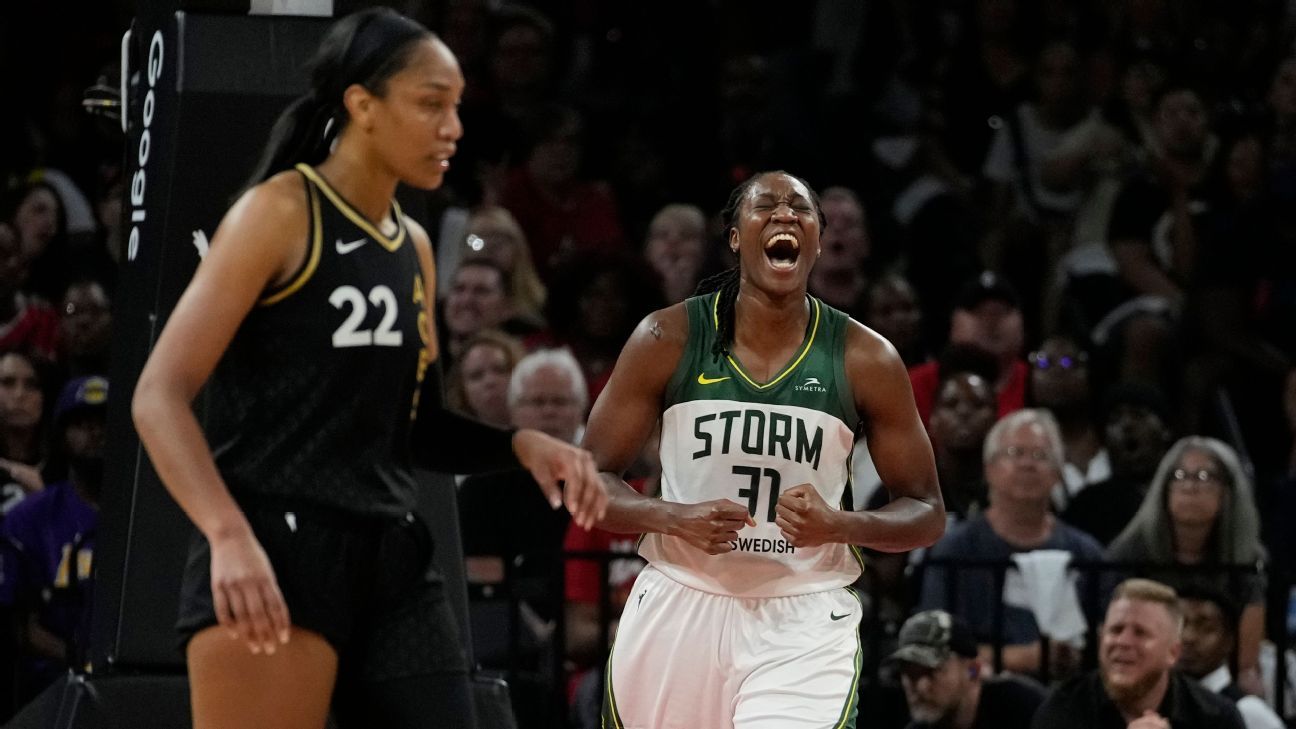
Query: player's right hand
pixel 711 526
pixel 245 593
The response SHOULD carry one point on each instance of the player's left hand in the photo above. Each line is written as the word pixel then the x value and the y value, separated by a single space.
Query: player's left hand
pixel 805 518
pixel 565 473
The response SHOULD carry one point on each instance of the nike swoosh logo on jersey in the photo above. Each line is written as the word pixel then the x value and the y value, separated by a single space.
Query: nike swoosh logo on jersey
pixel 345 248
pixel 704 380
pixel 835 616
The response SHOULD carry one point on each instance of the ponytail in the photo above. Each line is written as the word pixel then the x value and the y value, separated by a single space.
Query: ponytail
pixel 302 133
pixel 365 48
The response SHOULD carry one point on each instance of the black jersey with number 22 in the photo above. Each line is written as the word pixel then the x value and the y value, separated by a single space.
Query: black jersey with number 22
pixel 314 397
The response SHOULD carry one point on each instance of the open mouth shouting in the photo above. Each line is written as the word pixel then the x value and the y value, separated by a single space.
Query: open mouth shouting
pixel 782 251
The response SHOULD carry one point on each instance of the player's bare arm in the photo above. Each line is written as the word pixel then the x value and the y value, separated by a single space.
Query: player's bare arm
pixel 623 417
pixel 564 472
pixel 260 243
pixel 901 451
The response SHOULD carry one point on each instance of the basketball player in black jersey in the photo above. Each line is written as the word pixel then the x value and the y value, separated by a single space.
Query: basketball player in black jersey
pixel 312 317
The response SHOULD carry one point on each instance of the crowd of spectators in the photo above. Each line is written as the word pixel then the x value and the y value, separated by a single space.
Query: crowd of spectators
pixel 1072 218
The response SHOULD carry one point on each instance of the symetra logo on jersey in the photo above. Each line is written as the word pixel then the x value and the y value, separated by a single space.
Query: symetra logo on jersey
pixel 811 384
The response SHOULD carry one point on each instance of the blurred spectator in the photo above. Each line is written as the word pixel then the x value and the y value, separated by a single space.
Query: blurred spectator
pixel 676 249
pixel 891 309
pixel 936 225
pixel 1086 155
pixel 478 382
pixel 957 359
pixel 1133 111
pixel 1135 685
pixel 79 220
pixel 1037 190
pixel 839 276
pixel 987 75
pixel 40 219
pixel 108 213
pixel 1136 434
pixel 1245 256
pixel 1023 458
pixel 23 449
pixel 465 27
pixel 639 167
pixel 561 213
pixel 505 518
pixel 595 302
pixel 1059 382
pixel 1085 285
pixel 1280 140
pixel 945 683
pixel 747 141
pixel 37 213
pixel 48 543
pixel 478 299
pixel 28 322
pixel 987 315
pixel 504 112
pixel 522 62
pixel 1209 638
pixel 961 419
pixel 963 413
pixel 1200 510
pixel 1155 234
pixel 85 328
pixel 494 234
pixel 513 538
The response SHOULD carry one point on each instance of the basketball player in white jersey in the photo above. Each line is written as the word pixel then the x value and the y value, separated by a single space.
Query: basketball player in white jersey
pixel 743 617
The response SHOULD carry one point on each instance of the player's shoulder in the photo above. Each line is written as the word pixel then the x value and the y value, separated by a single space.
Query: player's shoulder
pixel 654 349
pixel 417 232
pixel 866 350
pixel 276 206
pixel 281 193
pixel 668 326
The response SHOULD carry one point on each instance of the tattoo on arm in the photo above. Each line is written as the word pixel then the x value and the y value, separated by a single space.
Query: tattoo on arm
pixel 655 329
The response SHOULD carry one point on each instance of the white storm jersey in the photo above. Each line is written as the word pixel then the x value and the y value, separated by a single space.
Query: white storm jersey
pixel 727 436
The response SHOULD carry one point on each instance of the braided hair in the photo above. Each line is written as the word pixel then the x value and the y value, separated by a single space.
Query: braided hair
pixel 726 282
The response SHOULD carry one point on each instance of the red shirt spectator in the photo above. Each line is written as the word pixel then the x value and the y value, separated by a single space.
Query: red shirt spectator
pixel 1011 394
pixel 987 316
pixel 560 212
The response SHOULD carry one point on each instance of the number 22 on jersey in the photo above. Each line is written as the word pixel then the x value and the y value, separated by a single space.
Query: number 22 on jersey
pixel 349 334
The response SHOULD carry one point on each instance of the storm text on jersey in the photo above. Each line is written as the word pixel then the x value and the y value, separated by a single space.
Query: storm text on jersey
pixel 759 434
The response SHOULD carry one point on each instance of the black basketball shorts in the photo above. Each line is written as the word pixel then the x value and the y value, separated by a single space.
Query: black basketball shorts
pixel 366 584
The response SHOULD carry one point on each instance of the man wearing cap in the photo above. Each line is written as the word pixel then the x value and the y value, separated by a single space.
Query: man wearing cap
pixel 943 682
pixel 987 314
pixel 47 541
pixel 1135 685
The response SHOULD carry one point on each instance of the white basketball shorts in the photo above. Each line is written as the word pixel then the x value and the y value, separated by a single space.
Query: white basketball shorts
pixel 686 659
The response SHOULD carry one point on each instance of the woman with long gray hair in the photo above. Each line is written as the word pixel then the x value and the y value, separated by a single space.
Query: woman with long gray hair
pixel 1200 512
